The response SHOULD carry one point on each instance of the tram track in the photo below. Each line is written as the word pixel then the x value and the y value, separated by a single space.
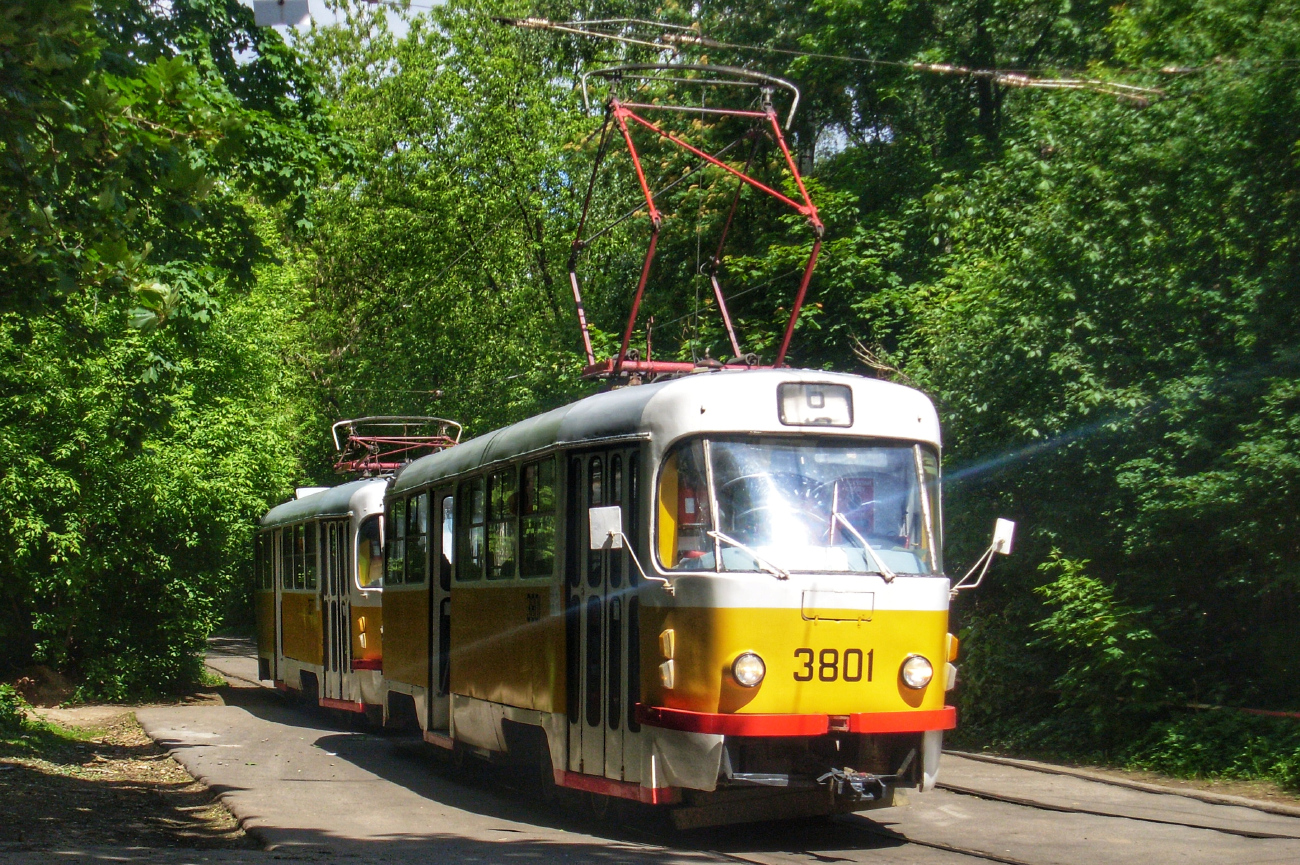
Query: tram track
pixel 863 824
pixel 653 839
pixel 933 845
pixel 1068 809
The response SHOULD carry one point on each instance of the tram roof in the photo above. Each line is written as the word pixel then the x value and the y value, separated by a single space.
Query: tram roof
pixel 724 401
pixel 334 502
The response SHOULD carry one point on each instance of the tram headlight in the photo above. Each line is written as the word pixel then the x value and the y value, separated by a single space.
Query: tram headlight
pixel 917 672
pixel 748 670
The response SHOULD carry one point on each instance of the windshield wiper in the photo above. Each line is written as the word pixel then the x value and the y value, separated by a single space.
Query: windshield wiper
pixel 763 563
pixel 884 569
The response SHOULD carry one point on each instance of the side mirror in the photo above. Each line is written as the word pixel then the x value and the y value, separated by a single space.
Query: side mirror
pixel 606 527
pixel 1003 532
pixel 605 530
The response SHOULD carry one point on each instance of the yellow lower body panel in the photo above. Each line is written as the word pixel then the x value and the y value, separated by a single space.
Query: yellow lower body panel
pixel 406 633
pixel 300 624
pixel 506 647
pixel 813 666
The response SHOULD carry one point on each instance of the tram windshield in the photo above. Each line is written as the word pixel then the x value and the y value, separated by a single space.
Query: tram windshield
pixel 788 505
pixel 370 554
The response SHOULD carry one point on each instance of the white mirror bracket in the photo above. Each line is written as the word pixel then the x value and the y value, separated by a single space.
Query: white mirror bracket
pixel 605 527
pixel 622 538
pixel 1003 532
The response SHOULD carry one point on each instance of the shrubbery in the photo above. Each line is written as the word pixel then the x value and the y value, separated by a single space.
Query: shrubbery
pixel 148 412
pixel 12 717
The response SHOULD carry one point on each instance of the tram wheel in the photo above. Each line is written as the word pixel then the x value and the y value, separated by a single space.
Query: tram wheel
pixel 599 805
pixel 547 791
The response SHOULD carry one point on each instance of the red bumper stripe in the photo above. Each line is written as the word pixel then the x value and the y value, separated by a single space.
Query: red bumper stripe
pixel 345 705
pixel 368 664
pixel 904 722
pixel 794 725
pixel 621 789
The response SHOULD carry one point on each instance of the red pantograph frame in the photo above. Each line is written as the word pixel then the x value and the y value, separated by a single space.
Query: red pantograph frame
pixel 622 112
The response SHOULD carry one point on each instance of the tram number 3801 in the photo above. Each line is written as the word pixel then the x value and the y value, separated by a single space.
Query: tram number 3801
pixel 829 665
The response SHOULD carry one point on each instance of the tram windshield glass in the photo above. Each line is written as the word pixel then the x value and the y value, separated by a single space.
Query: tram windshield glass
pixel 370 554
pixel 797 505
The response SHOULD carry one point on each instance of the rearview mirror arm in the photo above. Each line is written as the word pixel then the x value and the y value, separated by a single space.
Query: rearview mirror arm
pixel 627 543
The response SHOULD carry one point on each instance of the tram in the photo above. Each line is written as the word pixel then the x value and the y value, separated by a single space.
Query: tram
pixel 319 569
pixel 714 588
pixel 723 593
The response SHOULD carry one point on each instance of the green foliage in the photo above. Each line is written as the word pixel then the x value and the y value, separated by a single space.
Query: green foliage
pixel 438 265
pixel 144 403
pixel 213 243
pixel 1221 744
pixel 13 718
pixel 1115 665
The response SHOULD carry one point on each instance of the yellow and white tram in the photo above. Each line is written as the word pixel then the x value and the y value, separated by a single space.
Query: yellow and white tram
pixel 722 592
pixel 319 601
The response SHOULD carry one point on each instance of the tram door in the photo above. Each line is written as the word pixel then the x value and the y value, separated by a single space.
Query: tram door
pixel 600 585
pixel 334 600
pixel 441 557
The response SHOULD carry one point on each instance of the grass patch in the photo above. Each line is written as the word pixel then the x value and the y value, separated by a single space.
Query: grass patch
pixel 210 679
pixel 24 735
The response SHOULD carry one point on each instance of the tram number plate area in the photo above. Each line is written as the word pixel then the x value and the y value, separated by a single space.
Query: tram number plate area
pixel 833 665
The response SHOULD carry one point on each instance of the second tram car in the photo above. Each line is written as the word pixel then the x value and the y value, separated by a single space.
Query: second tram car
pixel 319 601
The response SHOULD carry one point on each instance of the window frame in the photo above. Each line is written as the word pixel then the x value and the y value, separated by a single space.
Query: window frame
pixel 538 516
pixel 354 555
pixel 498 526
pixel 311 555
pixel 468 568
pixel 395 543
pixel 417 503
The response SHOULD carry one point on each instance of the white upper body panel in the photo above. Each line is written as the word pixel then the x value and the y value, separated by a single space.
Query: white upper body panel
pixel 718 402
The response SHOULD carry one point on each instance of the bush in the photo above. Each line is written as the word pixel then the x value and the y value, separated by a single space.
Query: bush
pixel 12 712
pixel 1114 663
pixel 1221 744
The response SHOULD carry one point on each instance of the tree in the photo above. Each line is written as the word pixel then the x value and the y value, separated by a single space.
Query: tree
pixel 135 377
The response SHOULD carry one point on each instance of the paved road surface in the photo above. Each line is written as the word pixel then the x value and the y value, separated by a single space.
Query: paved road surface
pixel 313 790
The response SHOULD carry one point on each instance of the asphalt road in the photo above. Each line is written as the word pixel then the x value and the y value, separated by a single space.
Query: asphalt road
pixel 312 789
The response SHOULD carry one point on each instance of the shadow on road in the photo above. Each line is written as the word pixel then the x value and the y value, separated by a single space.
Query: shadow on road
pixel 505 793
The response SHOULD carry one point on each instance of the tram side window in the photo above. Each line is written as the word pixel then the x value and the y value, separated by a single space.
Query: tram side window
pixel 573 525
pixel 633 508
pixel 417 538
pixel 595 498
pixel 309 555
pixel 331 569
pixel 684 509
pixel 396 557
pixel 259 572
pixel 503 508
pixel 470 530
pixel 299 557
pixel 616 498
pixel 285 538
pixel 537 520
pixel 370 554
pixel 448 546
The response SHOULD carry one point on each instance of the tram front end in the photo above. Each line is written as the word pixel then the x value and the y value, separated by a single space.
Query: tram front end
pixel 796 660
